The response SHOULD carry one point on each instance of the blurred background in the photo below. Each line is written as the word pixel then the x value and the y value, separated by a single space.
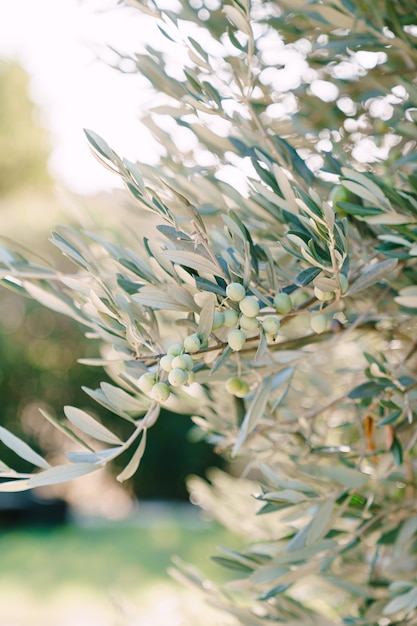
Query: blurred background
pixel 91 552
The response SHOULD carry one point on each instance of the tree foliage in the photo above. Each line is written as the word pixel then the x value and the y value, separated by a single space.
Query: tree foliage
pixel 273 297
pixel 23 142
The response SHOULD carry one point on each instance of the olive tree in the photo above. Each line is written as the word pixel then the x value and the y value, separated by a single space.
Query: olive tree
pixel 265 283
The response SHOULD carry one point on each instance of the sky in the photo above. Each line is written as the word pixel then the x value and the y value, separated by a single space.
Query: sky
pixel 60 44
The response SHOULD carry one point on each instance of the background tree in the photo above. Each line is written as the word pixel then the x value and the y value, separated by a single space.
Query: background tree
pixel 274 299
pixel 23 142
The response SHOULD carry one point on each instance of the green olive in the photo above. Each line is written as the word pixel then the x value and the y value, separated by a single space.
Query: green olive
pixel 178 377
pixel 146 382
pixel 192 343
pixel 230 318
pixel 249 306
pixel 339 194
pixel 166 362
pixel 248 323
pixel 160 392
pixel 236 339
pixel 271 325
pixel 235 292
pixel 318 323
pixel 282 303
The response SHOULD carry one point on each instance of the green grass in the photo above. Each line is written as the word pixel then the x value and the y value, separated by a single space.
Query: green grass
pixel 97 571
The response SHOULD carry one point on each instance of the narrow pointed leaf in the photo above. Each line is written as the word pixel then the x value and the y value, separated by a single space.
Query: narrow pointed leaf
pixel 21 448
pixel 134 462
pixel 90 426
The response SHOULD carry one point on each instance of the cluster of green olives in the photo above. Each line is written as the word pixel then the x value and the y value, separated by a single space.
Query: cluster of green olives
pixel 241 318
pixel 178 364
pixel 245 320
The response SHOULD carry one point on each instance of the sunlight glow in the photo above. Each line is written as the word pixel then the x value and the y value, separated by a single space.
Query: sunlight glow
pixel 59 44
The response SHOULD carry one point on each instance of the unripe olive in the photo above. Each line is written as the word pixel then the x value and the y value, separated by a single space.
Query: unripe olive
pixel 166 362
pixel 189 362
pixel 318 323
pixel 243 391
pixel 160 392
pixel 175 349
pixel 271 325
pixel 339 194
pixel 344 283
pixel 248 323
pixel 249 306
pixel 237 387
pixel 323 295
pixel 179 362
pixel 233 384
pixel 230 318
pixel 191 377
pixel 236 339
pixel 177 377
pixel 235 292
pixel 282 303
pixel 146 382
pixel 299 297
pixel 192 343
pixel 218 320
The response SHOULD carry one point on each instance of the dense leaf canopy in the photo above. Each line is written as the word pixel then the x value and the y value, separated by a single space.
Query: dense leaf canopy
pixel 265 282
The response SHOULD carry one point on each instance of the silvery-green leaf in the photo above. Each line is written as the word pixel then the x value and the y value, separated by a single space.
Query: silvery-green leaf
pixel 21 448
pixel 294 554
pixel 50 300
pixel 82 457
pixel 401 241
pixel 134 462
pixel 361 191
pixel 254 413
pixel 71 252
pixel 63 428
pixel 285 495
pixel 99 396
pixel 360 591
pixel 89 425
pixel 121 399
pixel 405 601
pixel 205 323
pixel 372 274
pixel 62 474
pixel 364 181
pixel 268 573
pixel 193 260
pixel 134 170
pixel 325 284
pixel 408 301
pixel 329 215
pixel 306 276
pixel 262 345
pixel 14 486
pixel 164 298
pixel 320 523
pixel 285 186
pixel 389 219
pixel 225 355
pixel 346 476
pixel 238 19
pixel 298 485
pixel 99 144
pixel 407 297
